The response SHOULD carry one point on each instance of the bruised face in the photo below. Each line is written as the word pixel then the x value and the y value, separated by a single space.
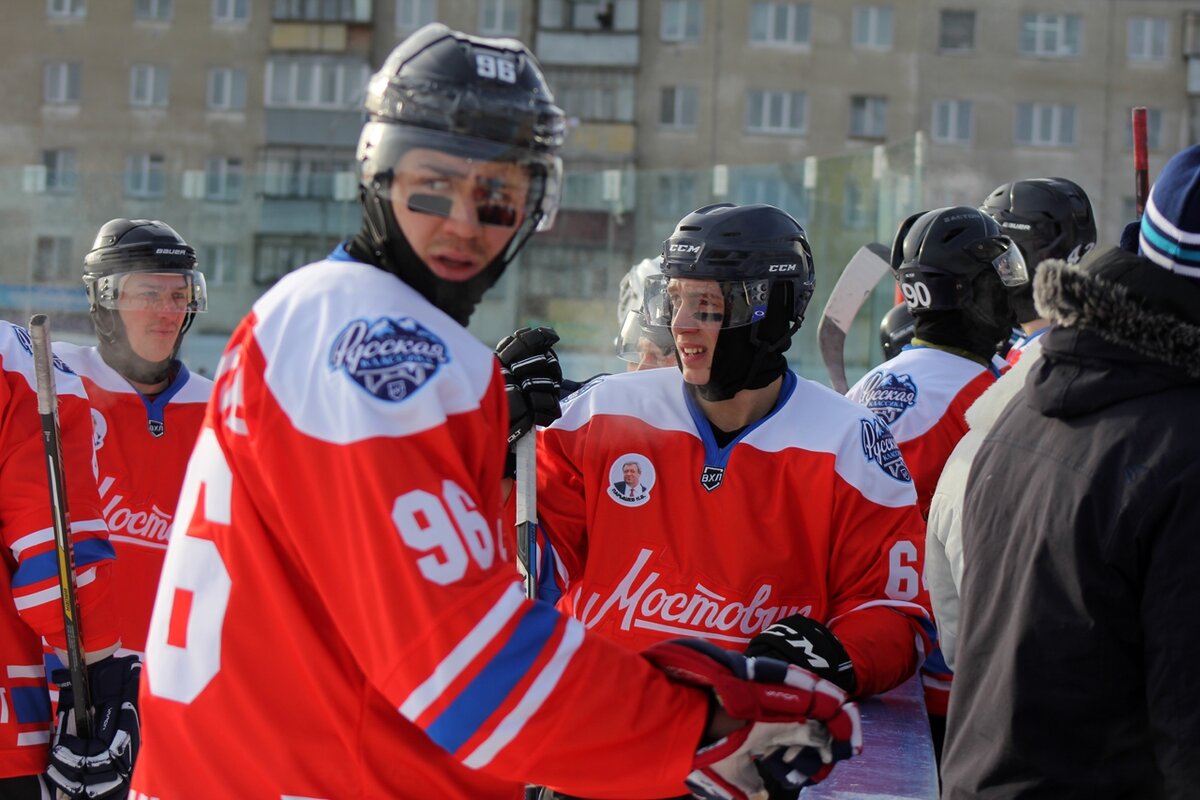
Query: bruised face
pixel 697 310
pixel 153 309
pixel 458 215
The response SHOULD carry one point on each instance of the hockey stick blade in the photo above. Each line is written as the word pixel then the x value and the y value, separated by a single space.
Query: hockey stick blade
pixel 526 488
pixel 854 285
pixel 47 397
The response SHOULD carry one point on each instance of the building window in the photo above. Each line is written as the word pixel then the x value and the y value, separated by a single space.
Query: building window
pixel 956 33
pixel 299 173
pixel 953 121
pixel 276 256
pixel 315 83
pixel 776 112
pixel 1045 125
pixel 597 96
pixel 1154 127
pixel 145 176
pixel 1052 35
pixel 61 83
pixel 681 20
pixel 500 17
pixel 158 10
pixel 675 195
pixel 223 179
pixel 226 89
pixel 66 8
pixel 414 14
pixel 62 171
pixel 218 262
pixel 780 24
pixel 53 260
pixel 230 11
pixel 868 117
pixel 678 107
pixel 588 15
pixel 873 27
pixel 1148 40
pixel 149 85
pixel 321 10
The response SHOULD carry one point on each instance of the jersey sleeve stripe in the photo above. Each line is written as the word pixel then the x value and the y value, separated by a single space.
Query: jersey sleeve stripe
pixel 533 700
pixel 463 654
pixel 45 565
pixel 31 704
pixel 54 593
pixel 912 609
pixel 489 689
pixel 27 671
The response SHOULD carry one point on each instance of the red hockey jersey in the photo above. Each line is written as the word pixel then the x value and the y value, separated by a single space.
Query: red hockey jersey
pixel 660 533
pixel 30 580
pixel 339 614
pixel 142 449
pixel 923 395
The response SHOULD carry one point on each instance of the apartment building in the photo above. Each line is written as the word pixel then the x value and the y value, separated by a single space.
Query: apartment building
pixel 236 120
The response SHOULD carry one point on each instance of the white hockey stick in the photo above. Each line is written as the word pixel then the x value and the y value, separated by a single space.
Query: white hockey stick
pixel 527 560
pixel 853 286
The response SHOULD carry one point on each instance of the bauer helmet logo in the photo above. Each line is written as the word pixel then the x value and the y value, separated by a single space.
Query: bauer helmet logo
pixel 170 251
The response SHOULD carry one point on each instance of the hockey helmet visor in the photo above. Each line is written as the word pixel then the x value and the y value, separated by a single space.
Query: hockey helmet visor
pixel 704 302
pixel 645 345
pixel 168 290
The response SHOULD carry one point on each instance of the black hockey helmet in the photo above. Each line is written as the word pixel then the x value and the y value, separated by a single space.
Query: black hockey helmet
pixel 1047 218
pixel 896 330
pixel 760 257
pixel 484 100
pixel 127 246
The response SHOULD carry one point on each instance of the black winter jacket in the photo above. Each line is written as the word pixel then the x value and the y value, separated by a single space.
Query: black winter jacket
pixel 1078 672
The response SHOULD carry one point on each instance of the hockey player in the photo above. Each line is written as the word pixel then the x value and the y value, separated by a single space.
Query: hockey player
pixel 1077 657
pixel 955 269
pixel 339 614
pixel 718 498
pixel 896 330
pixel 642 346
pixel 1047 218
pixel 143 292
pixel 34 608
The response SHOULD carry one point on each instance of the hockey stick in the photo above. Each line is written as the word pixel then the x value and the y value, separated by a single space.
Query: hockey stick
pixel 860 276
pixel 47 395
pixel 526 452
pixel 1141 161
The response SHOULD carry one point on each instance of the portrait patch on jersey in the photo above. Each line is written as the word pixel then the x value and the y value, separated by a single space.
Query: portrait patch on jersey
pixel 389 358
pixel 880 446
pixel 889 395
pixel 27 343
pixel 630 479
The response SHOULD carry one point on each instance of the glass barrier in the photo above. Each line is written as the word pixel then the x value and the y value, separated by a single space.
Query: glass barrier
pixel 250 229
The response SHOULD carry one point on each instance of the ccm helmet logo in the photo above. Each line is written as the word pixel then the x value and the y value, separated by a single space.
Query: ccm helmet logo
pixel 169 251
pixel 781 268
pixel 683 248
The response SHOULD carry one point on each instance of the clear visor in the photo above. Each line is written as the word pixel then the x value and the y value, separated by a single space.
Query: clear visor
pixel 700 302
pixel 1005 257
pixel 644 346
pixel 172 291
pixel 474 181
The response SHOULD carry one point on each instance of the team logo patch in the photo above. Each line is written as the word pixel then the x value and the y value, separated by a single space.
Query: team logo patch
pixel 880 446
pixel 889 395
pixel 390 358
pixel 27 343
pixel 711 477
pixel 630 479
pixel 156 427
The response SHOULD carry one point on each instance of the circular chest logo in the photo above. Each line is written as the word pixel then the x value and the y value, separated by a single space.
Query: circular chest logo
pixel 630 479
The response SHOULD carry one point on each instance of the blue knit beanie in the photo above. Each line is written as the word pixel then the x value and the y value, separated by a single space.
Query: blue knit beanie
pixel 1170 232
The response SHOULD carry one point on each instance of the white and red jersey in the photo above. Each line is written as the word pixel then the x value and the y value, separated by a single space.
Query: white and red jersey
pixel 1021 345
pixel 339 613
pixel 30 580
pixel 142 449
pixel 923 395
pixel 808 511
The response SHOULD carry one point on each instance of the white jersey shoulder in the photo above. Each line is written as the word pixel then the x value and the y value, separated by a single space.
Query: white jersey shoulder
pixel 16 353
pixel 817 419
pixel 912 391
pixel 353 353
pixel 88 362
pixel 654 396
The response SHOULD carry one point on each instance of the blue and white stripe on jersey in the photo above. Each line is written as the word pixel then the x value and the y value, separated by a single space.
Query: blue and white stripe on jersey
pixel 331 296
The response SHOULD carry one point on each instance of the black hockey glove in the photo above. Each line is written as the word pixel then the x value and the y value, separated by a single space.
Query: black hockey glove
pixel 532 378
pixel 1130 235
pixel 100 766
pixel 806 643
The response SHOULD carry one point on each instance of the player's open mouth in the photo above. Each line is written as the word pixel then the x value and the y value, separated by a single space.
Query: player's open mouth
pixel 452 263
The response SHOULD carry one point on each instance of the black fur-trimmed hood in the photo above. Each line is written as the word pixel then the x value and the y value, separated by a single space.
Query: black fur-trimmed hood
pixel 1126 301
